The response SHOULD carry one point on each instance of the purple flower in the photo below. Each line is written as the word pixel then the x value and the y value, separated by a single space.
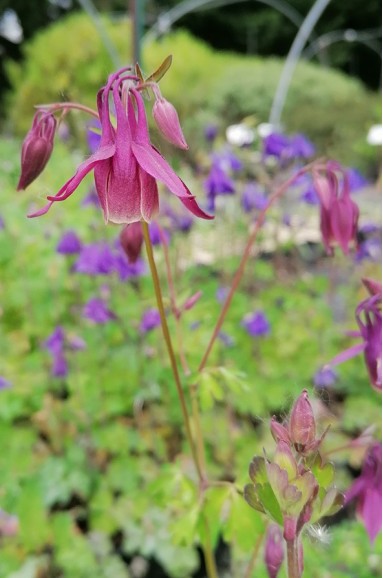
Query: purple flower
pixel 277 145
pixel 94 136
pixel 182 222
pixel 226 339
pixel 369 249
pixel 210 132
pixel 69 244
pixel 2 223
pixel 128 270
pixel 274 550
pixel 76 343
pixel 155 234
pixel 227 160
pixel 217 183
pixel 126 165
pixel 55 342
pixel 253 198
pixel 256 324
pixel 59 365
pixel 301 147
pixel 95 259
pixel 150 320
pixel 367 490
pixel 356 180
pixel 309 195
pixel 222 293
pixel 325 377
pixel 91 199
pixel 4 383
pixel 97 311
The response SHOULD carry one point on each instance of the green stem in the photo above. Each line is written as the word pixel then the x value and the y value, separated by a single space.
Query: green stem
pixel 254 556
pixel 245 257
pixel 169 345
pixel 293 570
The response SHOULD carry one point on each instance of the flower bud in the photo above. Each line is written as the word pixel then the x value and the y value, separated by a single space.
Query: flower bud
pixel 131 239
pixel 37 148
pixel 278 431
pixel 167 120
pixel 274 551
pixel 302 423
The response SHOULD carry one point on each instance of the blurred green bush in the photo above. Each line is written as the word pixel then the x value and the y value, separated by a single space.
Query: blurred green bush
pixel 68 61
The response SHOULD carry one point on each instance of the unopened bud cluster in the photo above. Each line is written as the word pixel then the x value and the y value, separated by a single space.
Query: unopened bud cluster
pixel 294 487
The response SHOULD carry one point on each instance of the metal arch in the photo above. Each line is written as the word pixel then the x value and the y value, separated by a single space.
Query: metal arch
pixel 167 19
pixel 365 37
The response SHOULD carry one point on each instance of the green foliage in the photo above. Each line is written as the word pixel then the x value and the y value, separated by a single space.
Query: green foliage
pixel 218 87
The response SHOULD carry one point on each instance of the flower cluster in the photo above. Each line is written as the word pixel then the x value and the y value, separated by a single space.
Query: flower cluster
pixel 293 488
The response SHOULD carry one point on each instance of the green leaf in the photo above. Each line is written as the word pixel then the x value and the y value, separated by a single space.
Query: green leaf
pixel 243 525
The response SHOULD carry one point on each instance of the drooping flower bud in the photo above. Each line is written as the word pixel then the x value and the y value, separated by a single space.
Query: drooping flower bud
pixel 274 551
pixel 302 423
pixel 167 120
pixel 131 239
pixel 37 148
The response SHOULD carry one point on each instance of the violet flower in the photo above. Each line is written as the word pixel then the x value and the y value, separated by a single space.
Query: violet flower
pixel 126 165
pixel 55 344
pixel 155 236
pixel 4 383
pixel 69 244
pixel 96 310
pixel 253 198
pixel 256 324
pixel 59 365
pixel 210 132
pixel 356 180
pixel 277 145
pixel 301 147
pixel 95 259
pixel 217 183
pixel 150 320
pixel 93 135
pixel 127 270
pixel 325 377
pixel 367 490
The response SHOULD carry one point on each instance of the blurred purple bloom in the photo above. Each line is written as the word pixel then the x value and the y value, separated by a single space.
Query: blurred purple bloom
pixel 222 293
pixel 2 223
pixel 370 249
pixel 256 324
pixel 95 259
pixel 128 270
pixel 69 244
pixel 301 147
pixel 356 180
pixel 155 236
pixel 210 132
pixel 97 311
pixel 217 183
pixel 277 145
pixel 94 136
pixel 150 320
pixel 91 199
pixel 325 377
pixel 310 196
pixel 227 160
pixel 179 221
pixel 76 343
pixel 367 489
pixel 4 383
pixel 55 342
pixel 59 365
pixel 226 339
pixel 253 198
pixel 274 550
pixel 369 228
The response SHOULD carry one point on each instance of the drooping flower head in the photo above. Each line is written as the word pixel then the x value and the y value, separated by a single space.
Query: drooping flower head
pixel 37 147
pixel 132 239
pixel 367 490
pixel 126 165
pixel 338 212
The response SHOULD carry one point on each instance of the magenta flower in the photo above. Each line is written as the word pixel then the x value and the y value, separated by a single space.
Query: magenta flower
pixel 274 550
pixel 367 490
pixel 338 213
pixel 37 148
pixel 369 318
pixel 126 165
pixel 131 240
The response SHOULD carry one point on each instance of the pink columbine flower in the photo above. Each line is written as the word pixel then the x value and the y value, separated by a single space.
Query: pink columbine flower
pixel 338 212
pixel 367 489
pixel 126 165
pixel 37 148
